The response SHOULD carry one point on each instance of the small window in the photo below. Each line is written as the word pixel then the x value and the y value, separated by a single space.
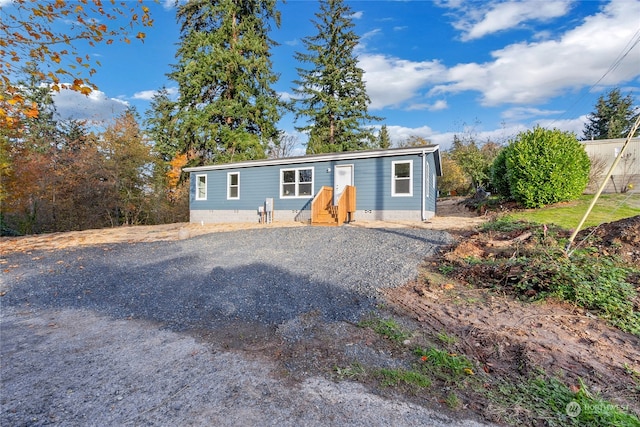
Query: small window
pixel 233 185
pixel 296 182
pixel 201 187
pixel 402 178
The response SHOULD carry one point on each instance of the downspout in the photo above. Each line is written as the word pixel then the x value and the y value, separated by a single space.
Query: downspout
pixel 424 184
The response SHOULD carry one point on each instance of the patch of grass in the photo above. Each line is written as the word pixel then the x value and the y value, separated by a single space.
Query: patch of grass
pixel 547 398
pixel 388 328
pixel 352 372
pixel 609 208
pixel 597 284
pixel 505 224
pixel 453 401
pixel 446 366
pixel 446 269
pixel 446 338
pixel 396 377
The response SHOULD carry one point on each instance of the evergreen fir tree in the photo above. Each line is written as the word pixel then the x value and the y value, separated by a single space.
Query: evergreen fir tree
pixel 613 118
pixel 160 123
pixel 384 140
pixel 227 109
pixel 331 93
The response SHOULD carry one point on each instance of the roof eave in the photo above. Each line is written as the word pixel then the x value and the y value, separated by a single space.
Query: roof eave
pixel 350 155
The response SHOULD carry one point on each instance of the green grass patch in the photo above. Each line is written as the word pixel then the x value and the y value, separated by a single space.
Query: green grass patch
pixel 446 366
pixel 352 372
pixel 388 328
pixel 397 377
pixel 550 399
pixel 505 224
pixel 446 338
pixel 453 401
pixel 598 284
pixel 609 208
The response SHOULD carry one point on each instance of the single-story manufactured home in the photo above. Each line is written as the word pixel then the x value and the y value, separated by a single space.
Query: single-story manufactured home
pixel 626 175
pixel 393 184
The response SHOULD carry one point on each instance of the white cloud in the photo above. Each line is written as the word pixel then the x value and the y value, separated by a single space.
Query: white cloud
pixel 534 72
pixel 501 135
pixel 477 23
pixel 520 73
pixel 285 96
pixel 523 113
pixel 95 107
pixel 370 34
pixel 147 95
pixel 439 105
pixel 402 133
pixel 392 81
pixel 357 15
pixel 571 125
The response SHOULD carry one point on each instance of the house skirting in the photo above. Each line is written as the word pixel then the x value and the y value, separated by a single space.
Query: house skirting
pixel 249 216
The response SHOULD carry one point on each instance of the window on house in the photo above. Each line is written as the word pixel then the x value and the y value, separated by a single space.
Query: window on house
pixel 233 185
pixel 296 182
pixel 201 187
pixel 402 178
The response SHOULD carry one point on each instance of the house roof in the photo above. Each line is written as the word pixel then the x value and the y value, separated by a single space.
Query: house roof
pixel 597 142
pixel 347 155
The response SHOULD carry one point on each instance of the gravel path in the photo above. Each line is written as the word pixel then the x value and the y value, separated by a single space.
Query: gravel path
pixel 105 335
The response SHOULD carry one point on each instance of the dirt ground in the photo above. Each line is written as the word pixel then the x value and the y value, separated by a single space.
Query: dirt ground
pixel 508 337
pixel 512 338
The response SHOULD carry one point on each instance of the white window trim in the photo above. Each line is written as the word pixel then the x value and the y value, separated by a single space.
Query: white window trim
pixel 393 179
pixel 205 187
pixel 229 185
pixel 296 195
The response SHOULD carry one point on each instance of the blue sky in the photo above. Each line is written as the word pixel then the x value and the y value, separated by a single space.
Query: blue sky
pixel 432 68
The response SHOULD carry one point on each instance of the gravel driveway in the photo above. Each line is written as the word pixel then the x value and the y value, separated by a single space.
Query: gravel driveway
pixel 113 334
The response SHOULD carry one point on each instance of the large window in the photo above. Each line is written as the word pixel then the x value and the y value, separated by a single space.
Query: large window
pixel 201 187
pixel 402 178
pixel 296 182
pixel 233 185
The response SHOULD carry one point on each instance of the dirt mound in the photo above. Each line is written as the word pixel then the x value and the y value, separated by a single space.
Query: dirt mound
pixel 619 237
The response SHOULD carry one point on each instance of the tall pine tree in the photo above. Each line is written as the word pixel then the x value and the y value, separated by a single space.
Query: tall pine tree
pixel 384 140
pixel 227 109
pixel 160 125
pixel 331 93
pixel 613 118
